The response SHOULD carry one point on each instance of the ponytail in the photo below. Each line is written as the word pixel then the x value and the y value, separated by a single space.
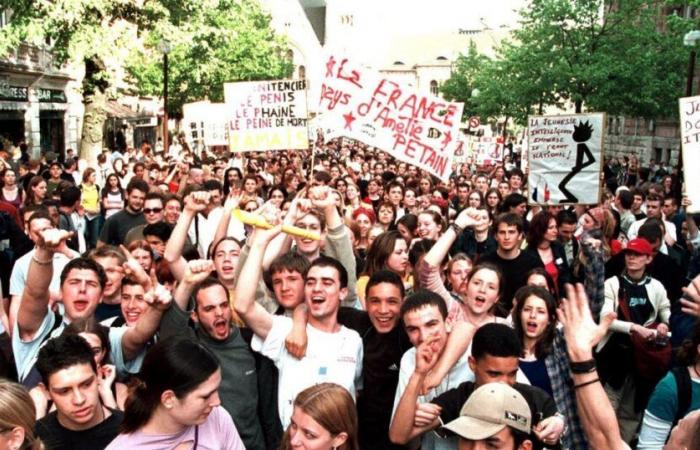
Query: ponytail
pixel 173 364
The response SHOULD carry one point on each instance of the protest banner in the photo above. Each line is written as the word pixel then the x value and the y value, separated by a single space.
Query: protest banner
pixel 488 151
pixel 690 144
pixel 267 115
pixel 361 104
pixel 565 156
pixel 205 123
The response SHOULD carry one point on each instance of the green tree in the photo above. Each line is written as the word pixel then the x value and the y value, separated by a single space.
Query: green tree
pixel 232 41
pixel 621 57
pixel 462 84
pixel 100 37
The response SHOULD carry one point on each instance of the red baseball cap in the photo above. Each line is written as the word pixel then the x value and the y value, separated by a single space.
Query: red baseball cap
pixel 641 246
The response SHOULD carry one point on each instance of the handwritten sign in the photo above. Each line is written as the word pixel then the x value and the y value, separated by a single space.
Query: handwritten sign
pixel 206 122
pixel 488 150
pixel 267 115
pixel 413 127
pixel 565 155
pixel 690 144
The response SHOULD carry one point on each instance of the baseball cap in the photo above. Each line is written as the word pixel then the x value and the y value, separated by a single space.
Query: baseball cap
pixel 641 246
pixel 490 409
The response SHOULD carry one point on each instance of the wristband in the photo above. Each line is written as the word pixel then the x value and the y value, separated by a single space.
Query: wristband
pixel 456 228
pixel 576 386
pixel 40 262
pixel 582 366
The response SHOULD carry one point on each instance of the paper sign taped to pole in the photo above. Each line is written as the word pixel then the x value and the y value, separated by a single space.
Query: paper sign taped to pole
pixel 267 115
pixel 690 144
pixel 362 104
pixel 565 156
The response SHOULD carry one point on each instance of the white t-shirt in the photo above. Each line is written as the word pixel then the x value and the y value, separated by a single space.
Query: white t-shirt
pixel 459 373
pixel 21 268
pixel 330 357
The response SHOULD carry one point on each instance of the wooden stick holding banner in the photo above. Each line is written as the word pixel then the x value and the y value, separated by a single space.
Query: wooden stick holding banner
pixel 689 108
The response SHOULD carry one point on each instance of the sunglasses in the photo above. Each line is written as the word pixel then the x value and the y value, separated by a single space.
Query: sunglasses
pixel 152 210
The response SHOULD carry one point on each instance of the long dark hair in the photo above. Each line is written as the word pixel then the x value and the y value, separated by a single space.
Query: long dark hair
pixel 176 364
pixel 380 251
pixel 544 344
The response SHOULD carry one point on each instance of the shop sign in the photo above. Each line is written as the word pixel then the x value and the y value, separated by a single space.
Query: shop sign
pixel 51 96
pixel 14 93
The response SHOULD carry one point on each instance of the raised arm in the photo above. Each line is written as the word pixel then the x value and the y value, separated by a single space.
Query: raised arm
pixel 195 272
pixel 338 244
pixel 136 337
pixel 252 313
pixel 35 298
pixel 194 204
pixel 582 334
pixel 230 204
pixel 429 268
pixel 403 427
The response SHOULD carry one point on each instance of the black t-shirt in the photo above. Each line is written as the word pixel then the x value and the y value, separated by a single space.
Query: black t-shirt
pixel 56 437
pixel 514 276
pixel 637 298
pixel 380 376
pixel 118 225
pixel 451 402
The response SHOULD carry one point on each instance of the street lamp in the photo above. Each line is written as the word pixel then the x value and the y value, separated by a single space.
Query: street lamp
pixel 165 49
pixel 690 39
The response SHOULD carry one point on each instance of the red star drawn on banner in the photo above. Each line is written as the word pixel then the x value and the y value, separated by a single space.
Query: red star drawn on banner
pixel 349 119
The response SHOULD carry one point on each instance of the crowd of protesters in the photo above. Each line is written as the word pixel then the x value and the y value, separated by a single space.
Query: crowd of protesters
pixel 139 312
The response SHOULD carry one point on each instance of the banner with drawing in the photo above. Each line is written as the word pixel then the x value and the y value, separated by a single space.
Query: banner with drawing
pixel 362 104
pixel 488 150
pixel 565 157
pixel 690 143
pixel 267 115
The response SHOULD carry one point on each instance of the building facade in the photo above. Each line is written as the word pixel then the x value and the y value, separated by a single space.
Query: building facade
pixel 40 104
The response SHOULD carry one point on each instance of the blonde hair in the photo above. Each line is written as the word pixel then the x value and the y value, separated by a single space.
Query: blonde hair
pixel 17 410
pixel 332 407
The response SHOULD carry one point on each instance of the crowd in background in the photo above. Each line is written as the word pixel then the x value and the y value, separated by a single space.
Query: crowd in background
pixel 407 312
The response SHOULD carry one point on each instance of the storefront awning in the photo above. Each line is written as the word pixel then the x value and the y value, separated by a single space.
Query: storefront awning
pixel 118 111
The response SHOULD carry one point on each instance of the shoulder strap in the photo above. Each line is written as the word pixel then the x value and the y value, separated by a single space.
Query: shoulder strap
pixel 684 392
pixel 622 305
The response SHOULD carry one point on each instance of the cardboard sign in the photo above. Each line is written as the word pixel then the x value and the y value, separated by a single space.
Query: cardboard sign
pixel 416 128
pixel 690 144
pixel 267 115
pixel 206 122
pixel 565 156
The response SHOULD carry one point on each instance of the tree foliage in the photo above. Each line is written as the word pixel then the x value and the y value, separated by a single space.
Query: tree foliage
pixel 213 41
pixel 622 57
pixel 230 41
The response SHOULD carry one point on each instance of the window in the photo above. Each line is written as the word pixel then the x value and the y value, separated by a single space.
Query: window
pixel 302 72
pixel 3 18
pixel 347 19
pixel 434 87
pixel 290 55
pixel 658 155
pixel 441 58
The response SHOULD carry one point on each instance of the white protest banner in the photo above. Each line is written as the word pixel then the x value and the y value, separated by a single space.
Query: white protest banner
pixel 488 151
pixel 690 143
pixel 206 122
pixel 362 104
pixel 565 155
pixel 267 115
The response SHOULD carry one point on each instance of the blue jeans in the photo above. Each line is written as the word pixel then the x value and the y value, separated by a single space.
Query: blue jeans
pixel 93 227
